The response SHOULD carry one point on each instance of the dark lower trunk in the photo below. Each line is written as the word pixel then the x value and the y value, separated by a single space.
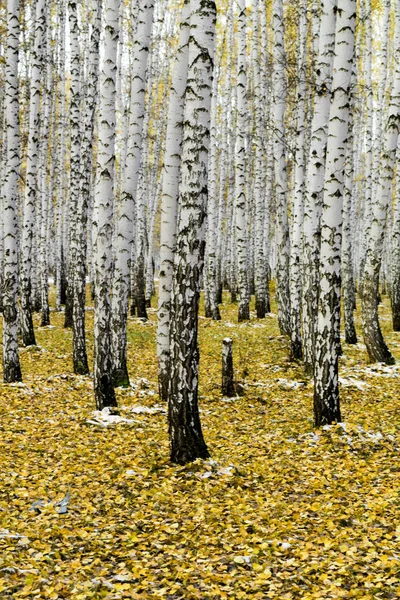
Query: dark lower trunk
pixel 11 372
pixel 121 375
pixel 63 283
pixel 219 294
pixel 25 320
pixel 140 289
pixel 326 370
pixel 11 365
pixel 327 408
pixel 349 300
pixel 296 349
pixel 228 385
pixel 45 316
pixel 377 349
pixel 163 384
pixel 260 308
pixel 395 301
pixel 104 392
pixel 233 296
pixel 215 314
pixel 186 436
pixel 80 361
pixel 69 308
pixel 243 312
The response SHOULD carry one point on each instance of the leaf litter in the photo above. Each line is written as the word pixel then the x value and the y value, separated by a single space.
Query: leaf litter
pixel 281 510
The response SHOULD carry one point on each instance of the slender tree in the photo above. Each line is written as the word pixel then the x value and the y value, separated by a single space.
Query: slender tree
pixel 299 184
pixel 242 243
pixel 103 210
pixel 315 178
pixel 126 224
pixel 376 345
pixel 169 200
pixel 85 167
pixel 25 322
pixel 326 378
pixel 187 442
pixel 278 118
pixel 11 365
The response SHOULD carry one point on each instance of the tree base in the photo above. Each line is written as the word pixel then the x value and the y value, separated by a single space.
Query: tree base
pixel 12 373
pixel 121 377
pixel 183 455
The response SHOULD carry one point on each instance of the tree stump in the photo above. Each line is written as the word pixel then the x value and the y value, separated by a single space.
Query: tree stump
pixel 228 385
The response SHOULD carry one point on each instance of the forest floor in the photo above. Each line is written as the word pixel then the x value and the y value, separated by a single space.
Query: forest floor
pixel 281 511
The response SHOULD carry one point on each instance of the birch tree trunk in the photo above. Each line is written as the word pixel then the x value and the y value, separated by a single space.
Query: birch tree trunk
pixel 85 166
pixel 278 118
pixel 395 253
pixel 169 201
pixel 103 210
pixel 315 179
pixel 43 189
pixel 210 290
pixel 60 276
pixel 75 153
pixel 25 322
pixel 126 223
pixel 11 364
pixel 348 283
pixel 260 281
pixel 298 192
pixel 373 338
pixel 187 442
pixel 326 376
pixel 242 242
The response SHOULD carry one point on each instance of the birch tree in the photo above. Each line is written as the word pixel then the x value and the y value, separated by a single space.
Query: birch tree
pixel 84 176
pixel 25 322
pixel 240 170
pixel 11 364
pixel 315 179
pixel 187 442
pixel 278 118
pixel 326 378
pixel 103 210
pixel 126 224
pixel 299 184
pixel 169 200
pixel 373 338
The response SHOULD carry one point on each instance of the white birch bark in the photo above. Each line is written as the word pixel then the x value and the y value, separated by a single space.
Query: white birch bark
pixel 395 253
pixel 315 179
pixel 44 157
pixel 187 442
pixel 25 322
pixel 348 234
pixel 210 290
pixel 11 364
pixel 260 281
pixel 373 338
pixel 126 223
pixel 326 376
pixel 368 114
pixel 61 164
pixel 75 152
pixel 242 243
pixel 103 209
pixel 80 361
pixel 169 200
pixel 297 209
pixel 278 119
